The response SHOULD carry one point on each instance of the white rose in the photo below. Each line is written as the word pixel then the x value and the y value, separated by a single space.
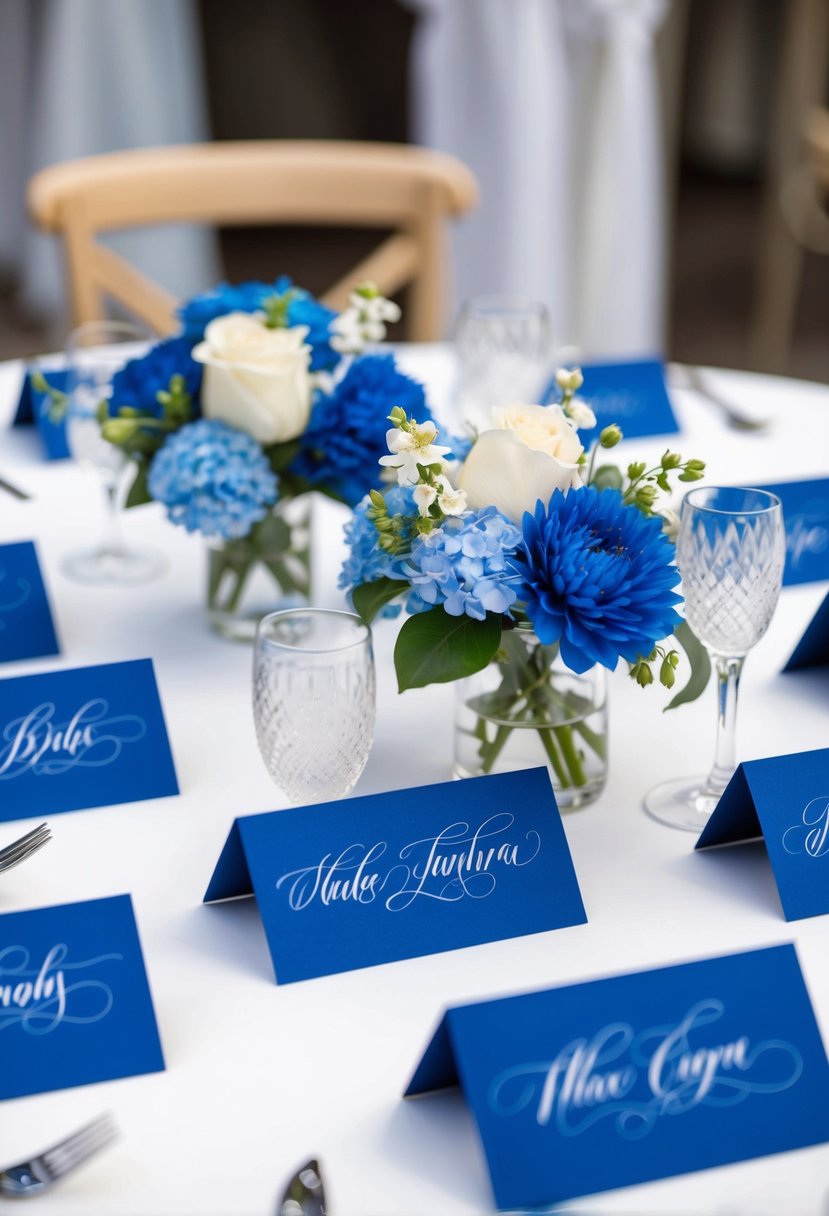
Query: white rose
pixel 256 379
pixel 531 451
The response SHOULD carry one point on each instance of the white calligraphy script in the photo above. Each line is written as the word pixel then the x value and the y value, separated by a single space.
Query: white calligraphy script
pixel 18 597
pixel 805 534
pixel 39 998
pixel 458 862
pixel 811 835
pixel 90 738
pixel 674 1069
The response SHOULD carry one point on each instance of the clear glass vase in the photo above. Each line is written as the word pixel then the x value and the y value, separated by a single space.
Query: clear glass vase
pixel 527 709
pixel 266 571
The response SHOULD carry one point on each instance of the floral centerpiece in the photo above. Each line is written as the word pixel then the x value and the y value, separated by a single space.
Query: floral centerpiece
pixel 265 395
pixel 527 569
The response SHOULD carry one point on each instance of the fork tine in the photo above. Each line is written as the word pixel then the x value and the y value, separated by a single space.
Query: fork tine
pixel 76 1149
pixel 10 860
pixel 25 840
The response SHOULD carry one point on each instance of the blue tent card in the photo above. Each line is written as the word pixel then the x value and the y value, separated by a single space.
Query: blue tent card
pixel 620 1081
pixel 784 799
pixel 92 736
pixel 806 516
pixel 27 630
pixel 813 648
pixel 392 876
pixel 75 1004
pixel 632 394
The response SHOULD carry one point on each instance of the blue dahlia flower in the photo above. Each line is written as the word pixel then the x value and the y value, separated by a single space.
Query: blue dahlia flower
pixel 464 565
pixel 597 577
pixel 303 309
pixel 366 561
pixel 139 382
pixel 346 434
pixel 213 479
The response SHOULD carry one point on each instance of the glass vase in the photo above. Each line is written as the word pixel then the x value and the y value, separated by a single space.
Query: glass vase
pixel 527 709
pixel 266 571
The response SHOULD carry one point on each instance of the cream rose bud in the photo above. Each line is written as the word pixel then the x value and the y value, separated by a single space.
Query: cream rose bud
pixel 531 451
pixel 256 379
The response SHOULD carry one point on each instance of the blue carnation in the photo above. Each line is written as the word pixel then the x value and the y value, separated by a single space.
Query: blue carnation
pixel 366 561
pixel 464 565
pixel 346 434
pixel 213 479
pixel 303 309
pixel 137 385
pixel 597 577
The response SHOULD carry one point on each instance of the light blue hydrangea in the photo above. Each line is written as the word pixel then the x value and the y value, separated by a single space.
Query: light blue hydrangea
pixel 366 561
pixel 213 479
pixel 463 566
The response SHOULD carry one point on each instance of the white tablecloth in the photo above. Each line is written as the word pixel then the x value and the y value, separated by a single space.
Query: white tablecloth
pixel 258 1077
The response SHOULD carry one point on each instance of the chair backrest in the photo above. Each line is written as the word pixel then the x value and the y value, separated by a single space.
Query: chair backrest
pixel 412 191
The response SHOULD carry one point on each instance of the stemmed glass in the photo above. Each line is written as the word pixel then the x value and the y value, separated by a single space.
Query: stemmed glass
pixel 314 700
pixel 730 552
pixel 504 346
pixel 94 353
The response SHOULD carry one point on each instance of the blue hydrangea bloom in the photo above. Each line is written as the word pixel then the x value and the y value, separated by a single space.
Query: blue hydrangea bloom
pixel 366 561
pixel 346 434
pixel 213 479
pixel 597 577
pixel 139 382
pixel 303 309
pixel 464 565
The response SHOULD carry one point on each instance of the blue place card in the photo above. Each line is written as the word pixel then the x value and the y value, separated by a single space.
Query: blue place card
pixel 88 737
pixel 619 1081
pixel 26 627
pixel 784 799
pixel 34 406
pixel 632 394
pixel 75 1004
pixel 813 648
pixel 392 876
pixel 806 516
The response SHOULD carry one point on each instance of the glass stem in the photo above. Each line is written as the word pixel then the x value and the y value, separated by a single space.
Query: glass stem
pixel 725 758
pixel 111 538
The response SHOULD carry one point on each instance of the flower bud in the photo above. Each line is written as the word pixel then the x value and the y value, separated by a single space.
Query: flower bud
pixel 610 436
pixel 671 460
pixel 570 381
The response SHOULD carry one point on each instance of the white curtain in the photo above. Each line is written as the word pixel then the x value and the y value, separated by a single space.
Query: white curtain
pixel 79 77
pixel 553 104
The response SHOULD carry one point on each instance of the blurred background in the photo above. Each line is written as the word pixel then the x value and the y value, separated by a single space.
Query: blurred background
pixel 654 170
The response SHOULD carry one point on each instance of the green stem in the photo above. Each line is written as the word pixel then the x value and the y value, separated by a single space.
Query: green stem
pixel 564 735
pixel 597 742
pixel 546 735
pixel 489 752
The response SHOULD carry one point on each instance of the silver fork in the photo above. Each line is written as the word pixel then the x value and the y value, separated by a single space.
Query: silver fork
pixel 14 853
pixel 42 1172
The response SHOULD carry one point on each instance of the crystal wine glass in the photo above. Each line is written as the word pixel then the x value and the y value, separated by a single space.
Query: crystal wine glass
pixel 730 552
pixel 505 348
pixel 94 353
pixel 314 700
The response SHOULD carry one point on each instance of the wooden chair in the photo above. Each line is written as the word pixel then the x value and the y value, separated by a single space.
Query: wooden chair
pixel 410 190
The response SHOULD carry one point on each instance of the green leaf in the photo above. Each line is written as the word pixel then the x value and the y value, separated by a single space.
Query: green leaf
pixel 280 455
pixel 435 648
pixel 700 667
pixel 607 477
pixel 369 598
pixel 138 491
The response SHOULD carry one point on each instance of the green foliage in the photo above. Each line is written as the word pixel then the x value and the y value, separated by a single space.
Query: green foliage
pixel 435 648
pixel 700 666
pixel 369 598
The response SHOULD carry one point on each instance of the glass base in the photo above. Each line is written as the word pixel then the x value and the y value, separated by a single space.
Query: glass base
pixel 681 803
pixel 114 566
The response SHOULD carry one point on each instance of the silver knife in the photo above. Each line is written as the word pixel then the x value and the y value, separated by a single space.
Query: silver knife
pixel 305 1193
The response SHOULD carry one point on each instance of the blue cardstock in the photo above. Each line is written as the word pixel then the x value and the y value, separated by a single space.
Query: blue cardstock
pixel 26 627
pixel 784 799
pixel 391 876
pixel 75 1004
pixel 88 737
pixel 813 648
pixel 620 1081
pixel 34 406
pixel 632 394
pixel 806 516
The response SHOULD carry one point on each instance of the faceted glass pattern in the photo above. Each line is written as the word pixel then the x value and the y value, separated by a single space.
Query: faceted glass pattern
pixel 314 701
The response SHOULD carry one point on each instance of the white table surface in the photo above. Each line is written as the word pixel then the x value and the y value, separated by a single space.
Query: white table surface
pixel 259 1077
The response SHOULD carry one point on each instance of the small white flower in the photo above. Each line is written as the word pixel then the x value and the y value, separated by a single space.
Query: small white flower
pixel 570 380
pixel 670 523
pixel 424 496
pixel 450 500
pixel 580 414
pixel 346 333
